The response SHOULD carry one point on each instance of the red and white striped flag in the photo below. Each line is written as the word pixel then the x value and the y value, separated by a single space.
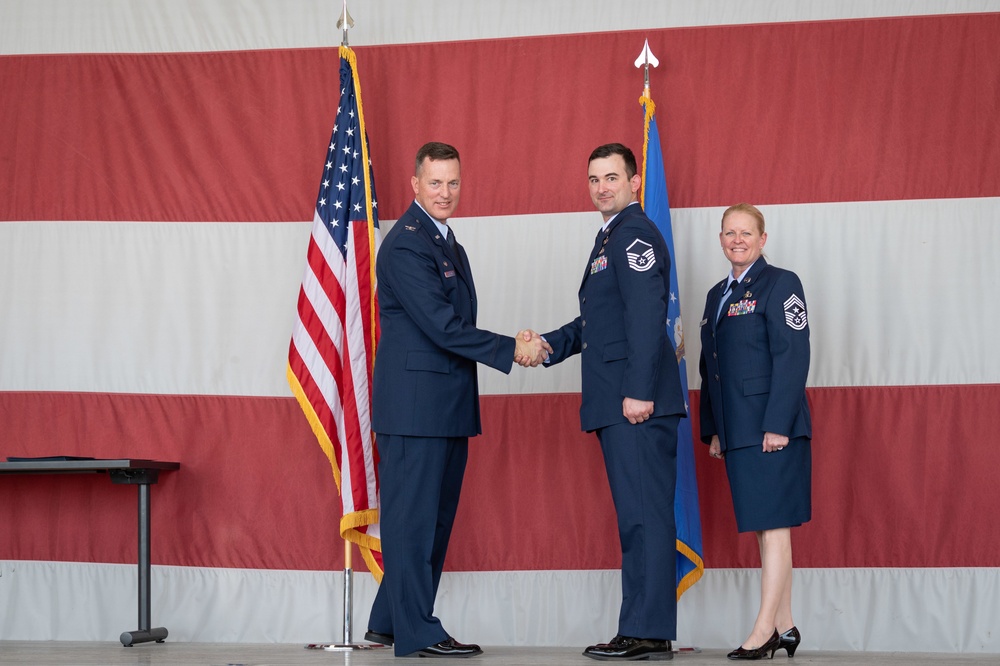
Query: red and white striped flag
pixel 333 342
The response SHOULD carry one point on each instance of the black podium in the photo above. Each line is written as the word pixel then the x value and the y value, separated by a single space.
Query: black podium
pixel 141 473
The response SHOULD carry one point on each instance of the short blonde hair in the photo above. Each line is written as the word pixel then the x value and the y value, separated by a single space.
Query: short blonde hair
pixel 750 209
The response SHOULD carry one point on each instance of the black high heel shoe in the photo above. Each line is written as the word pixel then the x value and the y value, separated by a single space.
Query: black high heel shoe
pixel 790 641
pixel 771 646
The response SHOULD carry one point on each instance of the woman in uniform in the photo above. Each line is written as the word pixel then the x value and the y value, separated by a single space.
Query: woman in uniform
pixel 754 414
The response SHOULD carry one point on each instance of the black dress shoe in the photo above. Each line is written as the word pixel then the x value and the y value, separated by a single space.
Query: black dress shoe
pixel 790 641
pixel 450 648
pixel 625 648
pixel 771 646
pixel 376 637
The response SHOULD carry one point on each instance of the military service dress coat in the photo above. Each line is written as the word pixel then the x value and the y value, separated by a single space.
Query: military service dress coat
pixel 754 364
pixel 621 332
pixel 425 382
pixel 755 359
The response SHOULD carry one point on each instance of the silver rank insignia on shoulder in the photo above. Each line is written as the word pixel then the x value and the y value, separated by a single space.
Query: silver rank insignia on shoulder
pixel 640 256
pixel 795 313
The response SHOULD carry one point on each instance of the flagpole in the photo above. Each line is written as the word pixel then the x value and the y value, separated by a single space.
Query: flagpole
pixel 645 59
pixel 345 22
pixel 348 591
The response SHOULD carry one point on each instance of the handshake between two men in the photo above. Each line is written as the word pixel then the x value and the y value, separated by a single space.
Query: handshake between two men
pixel 530 350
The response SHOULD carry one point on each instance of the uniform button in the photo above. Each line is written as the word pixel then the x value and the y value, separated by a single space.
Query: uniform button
pixel 714 355
pixel 585 346
pixel 717 378
pixel 584 323
pixel 584 300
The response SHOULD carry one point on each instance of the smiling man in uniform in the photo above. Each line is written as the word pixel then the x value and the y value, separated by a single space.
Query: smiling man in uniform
pixel 632 400
pixel 425 402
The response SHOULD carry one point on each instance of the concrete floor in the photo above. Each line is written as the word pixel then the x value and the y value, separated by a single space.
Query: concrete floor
pixel 52 653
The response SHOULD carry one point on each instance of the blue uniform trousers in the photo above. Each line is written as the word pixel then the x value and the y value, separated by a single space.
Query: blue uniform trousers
pixel 421 480
pixel 641 462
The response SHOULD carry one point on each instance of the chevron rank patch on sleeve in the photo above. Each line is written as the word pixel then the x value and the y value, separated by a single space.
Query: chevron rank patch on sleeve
pixel 795 313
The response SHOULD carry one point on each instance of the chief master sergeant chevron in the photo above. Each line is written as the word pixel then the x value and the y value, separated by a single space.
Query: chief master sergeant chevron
pixel 632 399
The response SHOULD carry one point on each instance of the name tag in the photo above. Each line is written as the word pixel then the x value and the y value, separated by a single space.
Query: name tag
pixel 742 308
pixel 599 264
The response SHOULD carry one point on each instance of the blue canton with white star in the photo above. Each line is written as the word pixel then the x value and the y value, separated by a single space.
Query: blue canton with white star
pixel 341 197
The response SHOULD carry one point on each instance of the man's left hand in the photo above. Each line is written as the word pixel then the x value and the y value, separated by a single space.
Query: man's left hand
pixel 637 411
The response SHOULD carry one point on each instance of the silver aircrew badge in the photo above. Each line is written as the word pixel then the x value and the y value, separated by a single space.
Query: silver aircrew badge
pixel 640 256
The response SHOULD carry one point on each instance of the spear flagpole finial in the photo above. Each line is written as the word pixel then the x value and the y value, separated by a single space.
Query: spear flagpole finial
pixel 645 59
pixel 345 22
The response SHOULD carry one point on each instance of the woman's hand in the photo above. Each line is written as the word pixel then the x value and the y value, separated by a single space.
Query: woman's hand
pixel 715 448
pixel 774 442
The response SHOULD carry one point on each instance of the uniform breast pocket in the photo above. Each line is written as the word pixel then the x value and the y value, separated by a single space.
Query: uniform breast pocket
pixel 616 351
pixel 452 286
pixel 427 362
pixel 756 385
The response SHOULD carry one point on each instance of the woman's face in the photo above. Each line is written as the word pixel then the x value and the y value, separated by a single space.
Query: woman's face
pixel 741 239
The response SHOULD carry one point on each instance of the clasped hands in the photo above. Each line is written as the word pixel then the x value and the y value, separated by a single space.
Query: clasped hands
pixel 530 350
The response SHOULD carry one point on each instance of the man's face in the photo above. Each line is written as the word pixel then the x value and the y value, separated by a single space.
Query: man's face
pixel 610 187
pixel 436 187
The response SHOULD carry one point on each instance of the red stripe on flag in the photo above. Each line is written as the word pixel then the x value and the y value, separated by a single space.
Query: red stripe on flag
pixel 329 355
pixel 881 484
pixel 807 91
pixel 352 446
pixel 326 278
pixel 314 396
pixel 363 260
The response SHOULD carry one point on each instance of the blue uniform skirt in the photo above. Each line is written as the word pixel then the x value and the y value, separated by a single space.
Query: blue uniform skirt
pixel 771 490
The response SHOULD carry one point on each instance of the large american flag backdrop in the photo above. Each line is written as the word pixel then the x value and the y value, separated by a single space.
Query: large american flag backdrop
pixel 159 170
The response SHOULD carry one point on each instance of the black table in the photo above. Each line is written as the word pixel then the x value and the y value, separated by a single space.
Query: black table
pixel 142 473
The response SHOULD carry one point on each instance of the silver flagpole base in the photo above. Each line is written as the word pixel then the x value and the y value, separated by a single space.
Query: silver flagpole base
pixel 336 647
pixel 347 645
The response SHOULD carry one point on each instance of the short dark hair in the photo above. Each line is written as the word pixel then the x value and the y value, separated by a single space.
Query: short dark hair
pixel 435 151
pixel 609 149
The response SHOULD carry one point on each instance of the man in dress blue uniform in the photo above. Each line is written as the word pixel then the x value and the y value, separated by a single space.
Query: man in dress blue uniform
pixel 632 399
pixel 425 403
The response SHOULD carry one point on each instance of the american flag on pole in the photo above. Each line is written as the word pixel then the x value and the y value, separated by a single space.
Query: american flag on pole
pixel 336 332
